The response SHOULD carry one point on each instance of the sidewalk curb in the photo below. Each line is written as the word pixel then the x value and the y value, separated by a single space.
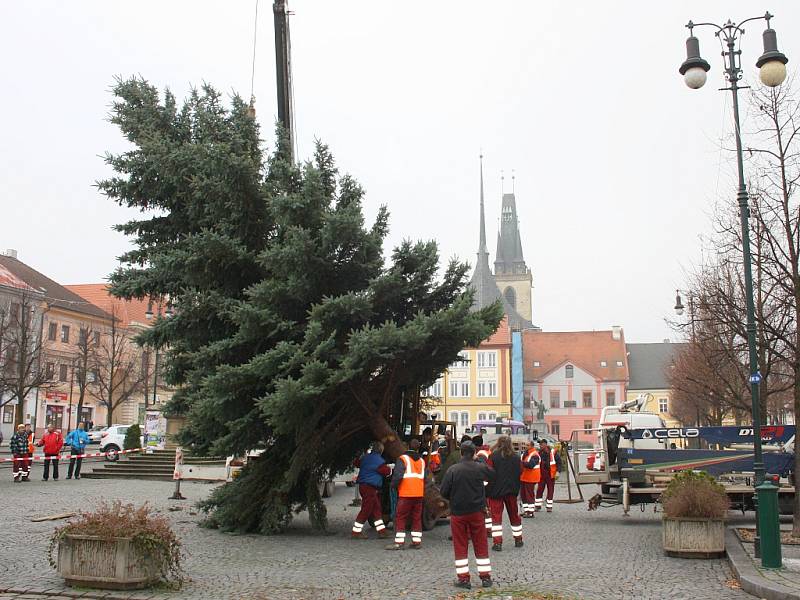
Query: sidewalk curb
pixel 750 579
pixel 94 595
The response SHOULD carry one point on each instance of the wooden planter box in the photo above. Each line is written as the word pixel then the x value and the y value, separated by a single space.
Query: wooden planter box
pixel 694 538
pixel 117 564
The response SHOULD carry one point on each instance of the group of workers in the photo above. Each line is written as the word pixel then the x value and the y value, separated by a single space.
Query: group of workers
pixel 22 445
pixel 480 483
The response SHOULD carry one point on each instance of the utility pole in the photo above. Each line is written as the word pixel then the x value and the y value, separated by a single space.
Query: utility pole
pixel 283 71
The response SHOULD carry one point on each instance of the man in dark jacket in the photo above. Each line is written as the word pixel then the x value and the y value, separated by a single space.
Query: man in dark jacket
pixel 371 471
pixel 503 492
pixel 550 467
pixel 21 465
pixel 463 486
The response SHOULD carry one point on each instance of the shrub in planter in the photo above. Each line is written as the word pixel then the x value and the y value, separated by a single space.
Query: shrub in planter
pixel 117 546
pixel 132 438
pixel 695 506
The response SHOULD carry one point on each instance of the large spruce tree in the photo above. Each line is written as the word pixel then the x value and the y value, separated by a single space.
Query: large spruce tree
pixel 290 333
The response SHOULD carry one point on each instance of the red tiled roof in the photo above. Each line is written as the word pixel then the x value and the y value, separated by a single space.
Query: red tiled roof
pixel 127 311
pixel 585 349
pixel 501 336
pixel 8 279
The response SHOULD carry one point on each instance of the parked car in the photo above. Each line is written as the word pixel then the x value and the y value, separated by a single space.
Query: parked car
pixel 95 433
pixel 112 440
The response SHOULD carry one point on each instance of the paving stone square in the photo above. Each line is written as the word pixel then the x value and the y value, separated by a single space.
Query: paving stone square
pixel 578 554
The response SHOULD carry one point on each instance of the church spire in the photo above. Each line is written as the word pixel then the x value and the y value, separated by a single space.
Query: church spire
pixel 482 246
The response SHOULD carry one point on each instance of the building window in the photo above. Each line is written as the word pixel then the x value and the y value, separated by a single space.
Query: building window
pixel 511 297
pixel 83 336
pixel 536 363
pixel 487 389
pixel 454 417
pixel 587 399
pixel 62 372
pixel 96 338
pixel 481 416
pixel 487 359
pixel 49 370
pixel 492 389
pixel 555 398
pixel 663 405
pixel 569 371
pixel 603 363
pixel 461 362
pixel 492 416
pixel 611 397
pixel 434 391
pixel 459 389
pixel 464 419
pixel 52 331
pixel 619 363
pixel 587 424
pixel 555 428
pixel 570 404
pixel 65 334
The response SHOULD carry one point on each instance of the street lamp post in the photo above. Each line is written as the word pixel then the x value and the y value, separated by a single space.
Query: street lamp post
pixel 772 65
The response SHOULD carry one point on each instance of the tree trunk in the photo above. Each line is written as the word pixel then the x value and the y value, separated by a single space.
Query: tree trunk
pixel 796 519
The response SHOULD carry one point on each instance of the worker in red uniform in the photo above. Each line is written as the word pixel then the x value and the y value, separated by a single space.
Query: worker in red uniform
pixel 371 471
pixel 503 491
pixel 464 486
pixel 551 465
pixel 530 476
pixel 409 481
pixel 482 453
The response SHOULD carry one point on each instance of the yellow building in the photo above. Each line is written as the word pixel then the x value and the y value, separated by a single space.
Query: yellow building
pixel 649 366
pixel 476 387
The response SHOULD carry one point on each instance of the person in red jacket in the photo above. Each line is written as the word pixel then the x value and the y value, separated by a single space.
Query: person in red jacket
pixel 52 442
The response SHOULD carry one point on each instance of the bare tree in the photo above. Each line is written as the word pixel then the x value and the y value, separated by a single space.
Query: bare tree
pixel 22 365
pixel 118 369
pixel 775 158
pixel 83 363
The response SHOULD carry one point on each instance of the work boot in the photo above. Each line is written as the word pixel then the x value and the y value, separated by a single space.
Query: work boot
pixel 359 536
pixel 416 545
pixel 395 547
pixel 497 547
pixel 486 582
pixel 549 510
pixel 16 479
pixel 383 534
pixel 463 584
pixel 518 543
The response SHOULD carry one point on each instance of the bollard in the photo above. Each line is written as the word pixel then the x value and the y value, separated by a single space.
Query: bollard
pixel 177 475
pixel 769 526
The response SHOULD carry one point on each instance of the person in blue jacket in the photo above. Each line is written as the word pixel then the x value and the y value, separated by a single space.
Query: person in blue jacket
pixel 77 439
pixel 371 471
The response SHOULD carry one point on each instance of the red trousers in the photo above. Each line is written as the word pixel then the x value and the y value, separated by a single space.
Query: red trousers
pixel 549 483
pixel 465 528
pixel 527 493
pixel 370 509
pixel 21 466
pixel 408 509
pixel 496 505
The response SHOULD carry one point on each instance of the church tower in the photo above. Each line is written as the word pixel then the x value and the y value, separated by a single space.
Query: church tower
pixel 512 275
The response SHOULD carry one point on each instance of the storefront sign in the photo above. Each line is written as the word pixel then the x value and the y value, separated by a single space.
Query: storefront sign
pixel 56 396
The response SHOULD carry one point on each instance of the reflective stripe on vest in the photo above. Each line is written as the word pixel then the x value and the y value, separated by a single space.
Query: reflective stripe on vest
pixel 553 465
pixel 531 475
pixel 413 483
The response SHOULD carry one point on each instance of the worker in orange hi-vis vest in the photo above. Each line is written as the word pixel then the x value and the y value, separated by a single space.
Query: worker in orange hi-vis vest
pixel 409 481
pixel 551 465
pixel 531 475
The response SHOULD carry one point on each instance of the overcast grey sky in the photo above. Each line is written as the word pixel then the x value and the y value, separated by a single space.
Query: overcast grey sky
pixel 617 163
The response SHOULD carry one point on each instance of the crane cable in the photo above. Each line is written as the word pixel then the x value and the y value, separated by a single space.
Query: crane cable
pixel 253 73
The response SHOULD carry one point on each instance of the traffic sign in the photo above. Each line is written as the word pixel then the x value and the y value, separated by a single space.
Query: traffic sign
pixel 755 377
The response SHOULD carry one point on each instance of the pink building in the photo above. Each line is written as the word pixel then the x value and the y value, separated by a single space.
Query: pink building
pixel 575 374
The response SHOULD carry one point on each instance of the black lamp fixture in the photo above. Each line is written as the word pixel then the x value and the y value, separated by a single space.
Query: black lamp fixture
pixel 694 68
pixel 678 303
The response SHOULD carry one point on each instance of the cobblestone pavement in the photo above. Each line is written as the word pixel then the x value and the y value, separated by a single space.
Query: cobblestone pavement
pixel 591 556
